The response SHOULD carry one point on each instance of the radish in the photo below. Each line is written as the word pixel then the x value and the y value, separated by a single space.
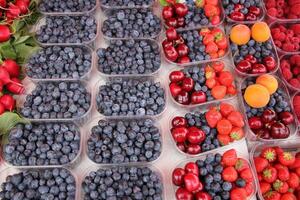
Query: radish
pixel 13 10
pixel 11 67
pixel 23 5
pixel 3 3
pixel 5 78
pixel 8 102
pixel 2 109
pixel 1 86
pixel 14 87
pixel 4 33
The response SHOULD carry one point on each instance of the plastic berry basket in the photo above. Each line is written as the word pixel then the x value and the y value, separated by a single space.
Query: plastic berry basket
pixel 240 154
pixel 259 18
pixel 107 7
pixel 250 134
pixel 198 26
pixel 204 109
pixel 108 13
pixel 71 164
pixel 285 24
pixel 94 122
pixel 42 21
pixel 9 171
pixel 90 11
pixel 85 77
pixel 195 62
pixel 138 78
pixel 291 145
pixel 30 86
pixel 94 168
pixel 107 43
pixel 205 104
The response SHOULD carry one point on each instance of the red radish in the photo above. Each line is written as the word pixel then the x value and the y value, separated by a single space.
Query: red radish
pixel 3 3
pixel 5 78
pixel 4 33
pixel 2 109
pixel 8 102
pixel 23 5
pixel 1 86
pixel 11 67
pixel 14 87
pixel 14 10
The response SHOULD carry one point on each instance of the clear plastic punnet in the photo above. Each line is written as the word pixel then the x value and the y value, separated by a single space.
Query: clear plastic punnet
pixel 291 87
pixel 146 4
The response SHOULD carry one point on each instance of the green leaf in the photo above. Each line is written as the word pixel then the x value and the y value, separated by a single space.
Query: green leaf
pixel 21 39
pixel 7 50
pixel 9 120
pixel 167 2
pixel 17 25
pixel 24 51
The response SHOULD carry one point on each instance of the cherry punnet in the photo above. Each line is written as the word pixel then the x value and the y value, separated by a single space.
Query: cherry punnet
pixel 171 34
pixel 187 84
pixel 279 131
pixel 177 176
pixel 183 194
pixel 244 66
pixel 181 9
pixel 4 33
pixel 198 97
pixel 175 89
pixel 8 102
pixel 195 135
pixel 286 118
pixel 179 121
pixel 192 167
pixel 193 149
pixel 179 134
pixel 270 63
pixel 182 50
pixel 167 12
pixel 183 98
pixel 191 182
pixel 268 116
pixel 176 76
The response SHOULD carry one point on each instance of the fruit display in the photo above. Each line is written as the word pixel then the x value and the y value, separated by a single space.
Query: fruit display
pixel 41 144
pixel 131 23
pixel 252 49
pixel 282 9
pixel 286 36
pixel 267 108
pixel 200 84
pixel 296 105
pixel 57 6
pixel 290 70
pixel 67 29
pixel 55 183
pixel 127 182
pixel 122 97
pixel 132 141
pixel 191 14
pixel 60 62
pixel 243 11
pixel 215 176
pixel 184 47
pixel 277 171
pixel 57 100
pixel 126 3
pixel 198 132
pixel 129 57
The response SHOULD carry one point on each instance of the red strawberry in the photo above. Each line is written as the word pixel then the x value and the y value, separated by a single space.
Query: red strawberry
pixel 286 158
pixel 236 118
pixel 241 164
pixel 247 175
pixel 295 9
pixel 272 195
pixel 224 139
pixel 260 164
pixel 208 38
pixel 211 47
pixel 237 134
pixel 281 187
pixel 249 188
pixel 288 196
pixel 264 187
pixel 269 153
pixel 293 180
pixel 296 164
pixel 226 78
pixel 269 174
pixel 229 158
pixel 283 173
pixel 212 117
pixel 226 109
pixel 229 174
pixel 238 194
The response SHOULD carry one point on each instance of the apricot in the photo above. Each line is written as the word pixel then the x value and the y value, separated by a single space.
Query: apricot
pixel 257 96
pixel 240 34
pixel 269 81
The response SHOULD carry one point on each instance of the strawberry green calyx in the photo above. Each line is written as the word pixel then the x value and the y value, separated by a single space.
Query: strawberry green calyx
pixel 270 155
pixel 199 3
pixel 277 184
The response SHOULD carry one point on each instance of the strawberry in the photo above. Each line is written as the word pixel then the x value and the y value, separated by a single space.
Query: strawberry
pixel 229 158
pixel 226 78
pixel 260 164
pixel 222 43
pixel 211 47
pixel 247 175
pixel 269 174
pixel 211 10
pixel 293 180
pixel 283 173
pixel 238 194
pixel 237 134
pixel 236 118
pixel 278 149
pixel 218 66
pixel 264 187
pixel 211 82
pixel 224 139
pixel 226 109
pixel 204 31
pixel 295 28
pixel 208 38
pixel 286 158
pixel 229 174
pixel 295 9
pixel 272 195
pixel 288 196
pixel 219 91
pixel 231 90
pixel 249 188
pixel 212 117
pixel 269 153
pixel 296 164
pixel 298 171
pixel 241 164
pixel 224 127
pixel 281 187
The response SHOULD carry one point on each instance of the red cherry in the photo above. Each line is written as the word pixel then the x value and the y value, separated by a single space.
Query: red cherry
pixel 179 121
pixel 251 59
pixel 269 125
pixel 191 182
pixel 254 10
pixel 176 76
pixel 258 69
pixel 279 131
pixel 187 84
pixel 270 63
pixel 182 50
pixel 195 135
pixel 183 98
pixel 167 12
pixel 237 16
pixel 286 118
pixel 244 66
pixel 167 43
pixel 193 149
pixel 263 133
pixel 238 7
pixel 177 176
pixel 171 53
pixel 180 21
pixel 202 196
pixel 181 9
pixel 255 123
pixel 171 34
pixel 183 194
pixel 184 59
pixel 192 167
pixel 181 146
pixel 175 89
pixel 268 116
pixel 179 134
pixel 198 97
pixel 172 22
pixel 251 17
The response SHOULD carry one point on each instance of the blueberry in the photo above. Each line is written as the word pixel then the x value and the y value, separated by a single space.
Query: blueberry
pixel 226 186
pixel 240 182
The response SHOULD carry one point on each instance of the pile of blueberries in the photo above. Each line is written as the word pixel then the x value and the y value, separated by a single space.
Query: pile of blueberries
pixel 198 75
pixel 131 23
pixel 257 49
pixel 130 97
pixel 210 172
pixel 129 3
pixel 129 57
pixel 123 183
pixel 67 5
pixel 198 119
pixel 56 62
pixel 42 144
pixel 57 100
pixel 195 16
pixel 196 47
pixel 67 29
pixel 278 102
pixel 56 183
pixel 124 141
